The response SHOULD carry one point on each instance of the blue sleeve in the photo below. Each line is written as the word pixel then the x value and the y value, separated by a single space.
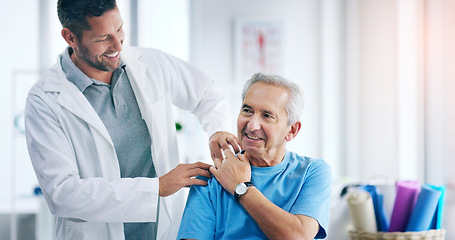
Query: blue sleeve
pixel 198 221
pixel 314 197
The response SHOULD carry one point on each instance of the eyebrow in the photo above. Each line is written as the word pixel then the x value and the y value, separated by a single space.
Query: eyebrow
pixel 246 106
pixel 263 110
pixel 105 35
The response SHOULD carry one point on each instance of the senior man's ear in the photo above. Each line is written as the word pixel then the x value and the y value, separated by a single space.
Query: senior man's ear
pixel 295 128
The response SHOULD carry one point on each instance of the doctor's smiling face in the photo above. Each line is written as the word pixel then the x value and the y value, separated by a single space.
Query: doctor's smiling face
pixel 98 49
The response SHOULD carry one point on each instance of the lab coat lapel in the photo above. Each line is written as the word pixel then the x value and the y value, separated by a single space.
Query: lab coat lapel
pixel 136 71
pixel 74 101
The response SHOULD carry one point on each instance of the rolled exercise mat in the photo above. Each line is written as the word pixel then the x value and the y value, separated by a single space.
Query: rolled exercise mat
pixel 405 198
pixel 382 219
pixel 424 209
pixel 437 218
pixel 362 211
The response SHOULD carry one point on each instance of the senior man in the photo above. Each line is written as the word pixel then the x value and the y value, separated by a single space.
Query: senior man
pixel 265 192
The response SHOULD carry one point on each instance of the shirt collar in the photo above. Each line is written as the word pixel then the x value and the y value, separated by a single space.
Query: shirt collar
pixel 76 76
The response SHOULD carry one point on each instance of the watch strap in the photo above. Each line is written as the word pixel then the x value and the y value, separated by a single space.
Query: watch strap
pixel 247 184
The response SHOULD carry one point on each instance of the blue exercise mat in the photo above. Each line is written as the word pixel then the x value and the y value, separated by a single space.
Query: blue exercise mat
pixel 437 219
pixel 424 209
pixel 382 219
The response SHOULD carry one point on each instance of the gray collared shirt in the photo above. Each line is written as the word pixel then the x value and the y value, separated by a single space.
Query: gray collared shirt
pixel 117 107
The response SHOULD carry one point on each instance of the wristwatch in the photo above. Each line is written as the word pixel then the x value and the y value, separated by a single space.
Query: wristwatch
pixel 241 189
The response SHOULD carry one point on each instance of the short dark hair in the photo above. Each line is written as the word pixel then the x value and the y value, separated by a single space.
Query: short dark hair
pixel 73 13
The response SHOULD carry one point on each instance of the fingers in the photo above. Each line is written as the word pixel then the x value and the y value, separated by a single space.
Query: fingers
pixel 215 148
pixel 228 153
pixel 183 175
pixel 197 169
pixel 217 162
pixel 221 141
pixel 215 151
pixel 224 145
pixel 230 141
pixel 212 154
pixel 202 173
pixel 241 156
pixel 196 181
pixel 201 165
pixel 214 170
pixel 234 142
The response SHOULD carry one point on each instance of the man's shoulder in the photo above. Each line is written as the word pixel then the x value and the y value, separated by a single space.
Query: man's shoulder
pixel 151 57
pixel 305 159
pixel 49 81
pixel 309 163
pixel 212 184
pixel 209 193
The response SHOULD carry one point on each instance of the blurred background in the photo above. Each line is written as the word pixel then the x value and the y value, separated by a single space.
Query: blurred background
pixel 378 78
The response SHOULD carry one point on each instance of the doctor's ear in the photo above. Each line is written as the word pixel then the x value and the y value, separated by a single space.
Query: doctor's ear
pixel 295 128
pixel 69 37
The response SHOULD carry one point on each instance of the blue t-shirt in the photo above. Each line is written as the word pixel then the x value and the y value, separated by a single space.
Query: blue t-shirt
pixel 299 185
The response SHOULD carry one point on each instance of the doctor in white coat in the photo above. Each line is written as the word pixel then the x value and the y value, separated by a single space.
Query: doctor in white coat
pixel 74 156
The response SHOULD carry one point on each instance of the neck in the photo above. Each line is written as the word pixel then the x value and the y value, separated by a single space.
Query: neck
pixel 104 76
pixel 266 161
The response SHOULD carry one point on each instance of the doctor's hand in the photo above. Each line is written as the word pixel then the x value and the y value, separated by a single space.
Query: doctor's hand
pixel 220 141
pixel 231 171
pixel 183 175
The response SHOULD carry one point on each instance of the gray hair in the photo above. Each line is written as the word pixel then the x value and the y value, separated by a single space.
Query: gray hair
pixel 294 106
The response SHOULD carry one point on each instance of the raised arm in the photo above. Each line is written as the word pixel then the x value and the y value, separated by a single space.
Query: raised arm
pixel 275 222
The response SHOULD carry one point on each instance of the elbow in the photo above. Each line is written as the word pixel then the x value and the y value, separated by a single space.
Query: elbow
pixel 59 198
pixel 300 236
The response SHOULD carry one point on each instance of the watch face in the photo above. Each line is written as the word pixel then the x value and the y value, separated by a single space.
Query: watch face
pixel 241 189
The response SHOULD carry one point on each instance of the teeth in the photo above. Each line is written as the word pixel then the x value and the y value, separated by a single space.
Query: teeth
pixel 252 137
pixel 112 55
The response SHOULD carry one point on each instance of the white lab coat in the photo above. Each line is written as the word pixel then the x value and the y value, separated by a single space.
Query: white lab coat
pixel 75 160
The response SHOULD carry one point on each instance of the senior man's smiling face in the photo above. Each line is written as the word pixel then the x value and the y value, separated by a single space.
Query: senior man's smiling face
pixel 262 124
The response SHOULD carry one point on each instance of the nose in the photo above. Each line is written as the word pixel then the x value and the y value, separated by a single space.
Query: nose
pixel 117 42
pixel 253 123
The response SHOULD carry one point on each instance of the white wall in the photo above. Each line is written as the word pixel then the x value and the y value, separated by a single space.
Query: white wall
pixel 376 92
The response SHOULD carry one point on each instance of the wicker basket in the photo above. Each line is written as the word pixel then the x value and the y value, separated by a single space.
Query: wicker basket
pixel 423 235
